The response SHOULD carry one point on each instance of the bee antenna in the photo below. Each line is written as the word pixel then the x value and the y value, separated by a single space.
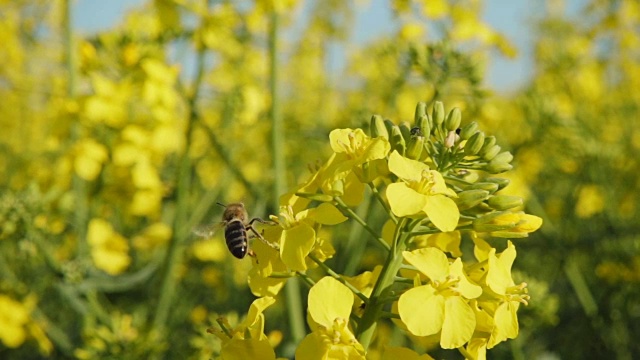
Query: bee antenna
pixel 221 204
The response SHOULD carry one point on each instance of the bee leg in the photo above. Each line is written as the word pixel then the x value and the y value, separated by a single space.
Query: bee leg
pixel 260 221
pixel 259 236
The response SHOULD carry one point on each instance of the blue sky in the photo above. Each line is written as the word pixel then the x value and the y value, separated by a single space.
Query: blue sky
pixel 514 18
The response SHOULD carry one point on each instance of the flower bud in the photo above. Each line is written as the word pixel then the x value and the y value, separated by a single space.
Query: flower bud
pixel 468 130
pixel 451 139
pixel 489 141
pixel 496 221
pixel 470 198
pixel 415 146
pixel 388 124
pixel 491 152
pixel 397 141
pixel 421 110
pixel 437 115
pixel 453 119
pixel 424 124
pixel 503 157
pixel 504 202
pixel 502 182
pixel 474 144
pixel 497 168
pixel 405 130
pixel 378 128
pixel 487 186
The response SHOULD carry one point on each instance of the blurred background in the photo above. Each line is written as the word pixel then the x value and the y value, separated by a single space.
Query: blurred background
pixel 124 122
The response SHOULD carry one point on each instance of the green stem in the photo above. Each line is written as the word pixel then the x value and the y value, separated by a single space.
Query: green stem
pixel 373 311
pixel 345 209
pixel 339 277
pixel 306 278
pixel 226 159
pixel 353 248
pixel 174 251
pixel 384 204
pixel 292 288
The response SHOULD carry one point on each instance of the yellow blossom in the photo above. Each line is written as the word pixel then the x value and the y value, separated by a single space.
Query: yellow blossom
pixel 109 250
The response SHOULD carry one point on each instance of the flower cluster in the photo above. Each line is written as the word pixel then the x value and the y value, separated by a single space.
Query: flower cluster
pixel 431 181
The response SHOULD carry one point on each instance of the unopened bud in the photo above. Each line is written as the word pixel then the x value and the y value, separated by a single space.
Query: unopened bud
pixel 453 119
pixel 397 141
pixel 421 110
pixel 489 141
pixel 504 202
pixel 378 128
pixel 497 168
pixel 491 152
pixel 415 146
pixel 474 144
pixel 496 221
pixel 470 198
pixel 405 130
pixel 451 139
pixel 424 124
pixel 437 115
pixel 502 182
pixel 503 157
pixel 468 130
pixel 487 186
pixel 388 124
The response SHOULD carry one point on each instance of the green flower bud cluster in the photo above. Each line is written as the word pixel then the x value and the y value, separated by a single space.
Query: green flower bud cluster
pixel 438 138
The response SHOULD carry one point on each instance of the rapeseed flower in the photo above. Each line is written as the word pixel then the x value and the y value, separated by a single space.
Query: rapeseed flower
pixel 421 191
pixel 440 306
pixel 330 304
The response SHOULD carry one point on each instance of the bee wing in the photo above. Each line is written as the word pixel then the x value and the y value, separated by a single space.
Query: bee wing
pixel 207 230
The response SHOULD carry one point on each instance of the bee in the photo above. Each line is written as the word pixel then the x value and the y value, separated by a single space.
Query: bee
pixel 236 229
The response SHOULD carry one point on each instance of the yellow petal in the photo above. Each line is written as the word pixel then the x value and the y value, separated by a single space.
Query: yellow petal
pixel 447 242
pixel 467 288
pixel 506 321
pixel 443 212
pixel 242 349
pixel 404 168
pixel 405 201
pixel 421 310
pixel 377 148
pixel 459 323
pixel 429 261
pixel 327 214
pixel 255 310
pixel 329 300
pixel 312 347
pixel 264 286
pixel 499 274
pixel 296 243
pixel 394 353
